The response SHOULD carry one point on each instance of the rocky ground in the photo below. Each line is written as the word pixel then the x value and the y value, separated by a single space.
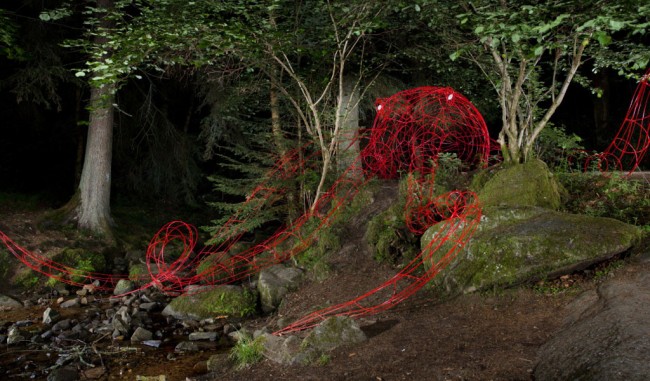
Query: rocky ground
pixel 494 335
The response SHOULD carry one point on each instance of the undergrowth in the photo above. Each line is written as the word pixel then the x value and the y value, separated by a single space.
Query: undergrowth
pixel 247 351
pixel 607 196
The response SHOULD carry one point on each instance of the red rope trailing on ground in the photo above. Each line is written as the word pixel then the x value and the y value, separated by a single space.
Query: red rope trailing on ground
pixel 410 130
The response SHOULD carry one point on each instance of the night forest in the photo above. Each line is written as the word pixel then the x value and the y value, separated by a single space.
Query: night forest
pixel 193 102
pixel 440 177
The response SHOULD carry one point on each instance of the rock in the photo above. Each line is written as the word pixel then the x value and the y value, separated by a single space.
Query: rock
pixel 15 335
pixel 528 184
pixel 63 374
pixel 213 301
pixel 283 349
pixel 186 346
pixel 334 332
pixel 274 283
pixel 6 301
pixel 123 286
pixel 606 335
pixel 141 334
pixel 94 373
pixel 148 306
pixel 521 244
pixel 219 362
pixel 151 378
pixel 62 325
pixel 152 343
pixel 70 303
pixel 211 336
pixel 121 321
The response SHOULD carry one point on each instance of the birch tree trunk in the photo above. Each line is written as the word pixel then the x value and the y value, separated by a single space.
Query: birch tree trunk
pixel 348 150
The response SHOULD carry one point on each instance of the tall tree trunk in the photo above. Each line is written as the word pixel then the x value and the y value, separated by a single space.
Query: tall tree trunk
pixel 95 186
pixel 348 150
pixel 90 205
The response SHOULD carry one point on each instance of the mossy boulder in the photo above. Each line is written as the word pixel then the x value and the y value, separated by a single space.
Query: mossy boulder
pixel 528 184
pixel 139 274
pixel 332 333
pixel 210 301
pixel 520 244
pixel 80 261
pixel 274 283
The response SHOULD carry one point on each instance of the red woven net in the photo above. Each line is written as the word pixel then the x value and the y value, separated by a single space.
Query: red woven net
pixel 630 145
pixel 411 129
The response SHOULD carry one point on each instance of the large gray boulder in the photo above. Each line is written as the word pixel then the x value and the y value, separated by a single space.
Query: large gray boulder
pixel 210 301
pixel 512 245
pixel 605 337
pixel 274 283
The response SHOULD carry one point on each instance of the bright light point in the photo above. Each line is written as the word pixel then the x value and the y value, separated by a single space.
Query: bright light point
pixel 450 96
pixel 379 107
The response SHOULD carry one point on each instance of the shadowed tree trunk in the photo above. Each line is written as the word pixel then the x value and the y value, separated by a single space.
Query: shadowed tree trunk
pixel 90 206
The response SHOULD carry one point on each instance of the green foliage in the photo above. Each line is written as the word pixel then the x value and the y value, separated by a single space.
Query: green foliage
pixel 558 149
pixel 8 31
pixel 79 263
pixel 26 278
pixel 247 351
pixel 238 187
pixel 608 269
pixel 615 197
pixel 389 238
pixel 323 359
pixel 449 173
pixel 531 52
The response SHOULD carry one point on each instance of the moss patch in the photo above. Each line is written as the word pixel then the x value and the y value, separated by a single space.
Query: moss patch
pixel 528 184
pixel 226 300
pixel 513 246
pixel 81 262
pixel 138 273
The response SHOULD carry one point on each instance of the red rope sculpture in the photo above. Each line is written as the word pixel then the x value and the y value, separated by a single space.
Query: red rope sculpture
pixel 410 130
pixel 631 143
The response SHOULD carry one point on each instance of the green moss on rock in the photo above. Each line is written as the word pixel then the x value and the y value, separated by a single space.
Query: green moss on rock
pixel 206 302
pixel 332 333
pixel 80 261
pixel 528 184
pixel 138 273
pixel 516 245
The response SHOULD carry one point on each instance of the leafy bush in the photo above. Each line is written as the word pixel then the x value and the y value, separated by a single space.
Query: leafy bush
pixel 601 196
pixel 559 150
